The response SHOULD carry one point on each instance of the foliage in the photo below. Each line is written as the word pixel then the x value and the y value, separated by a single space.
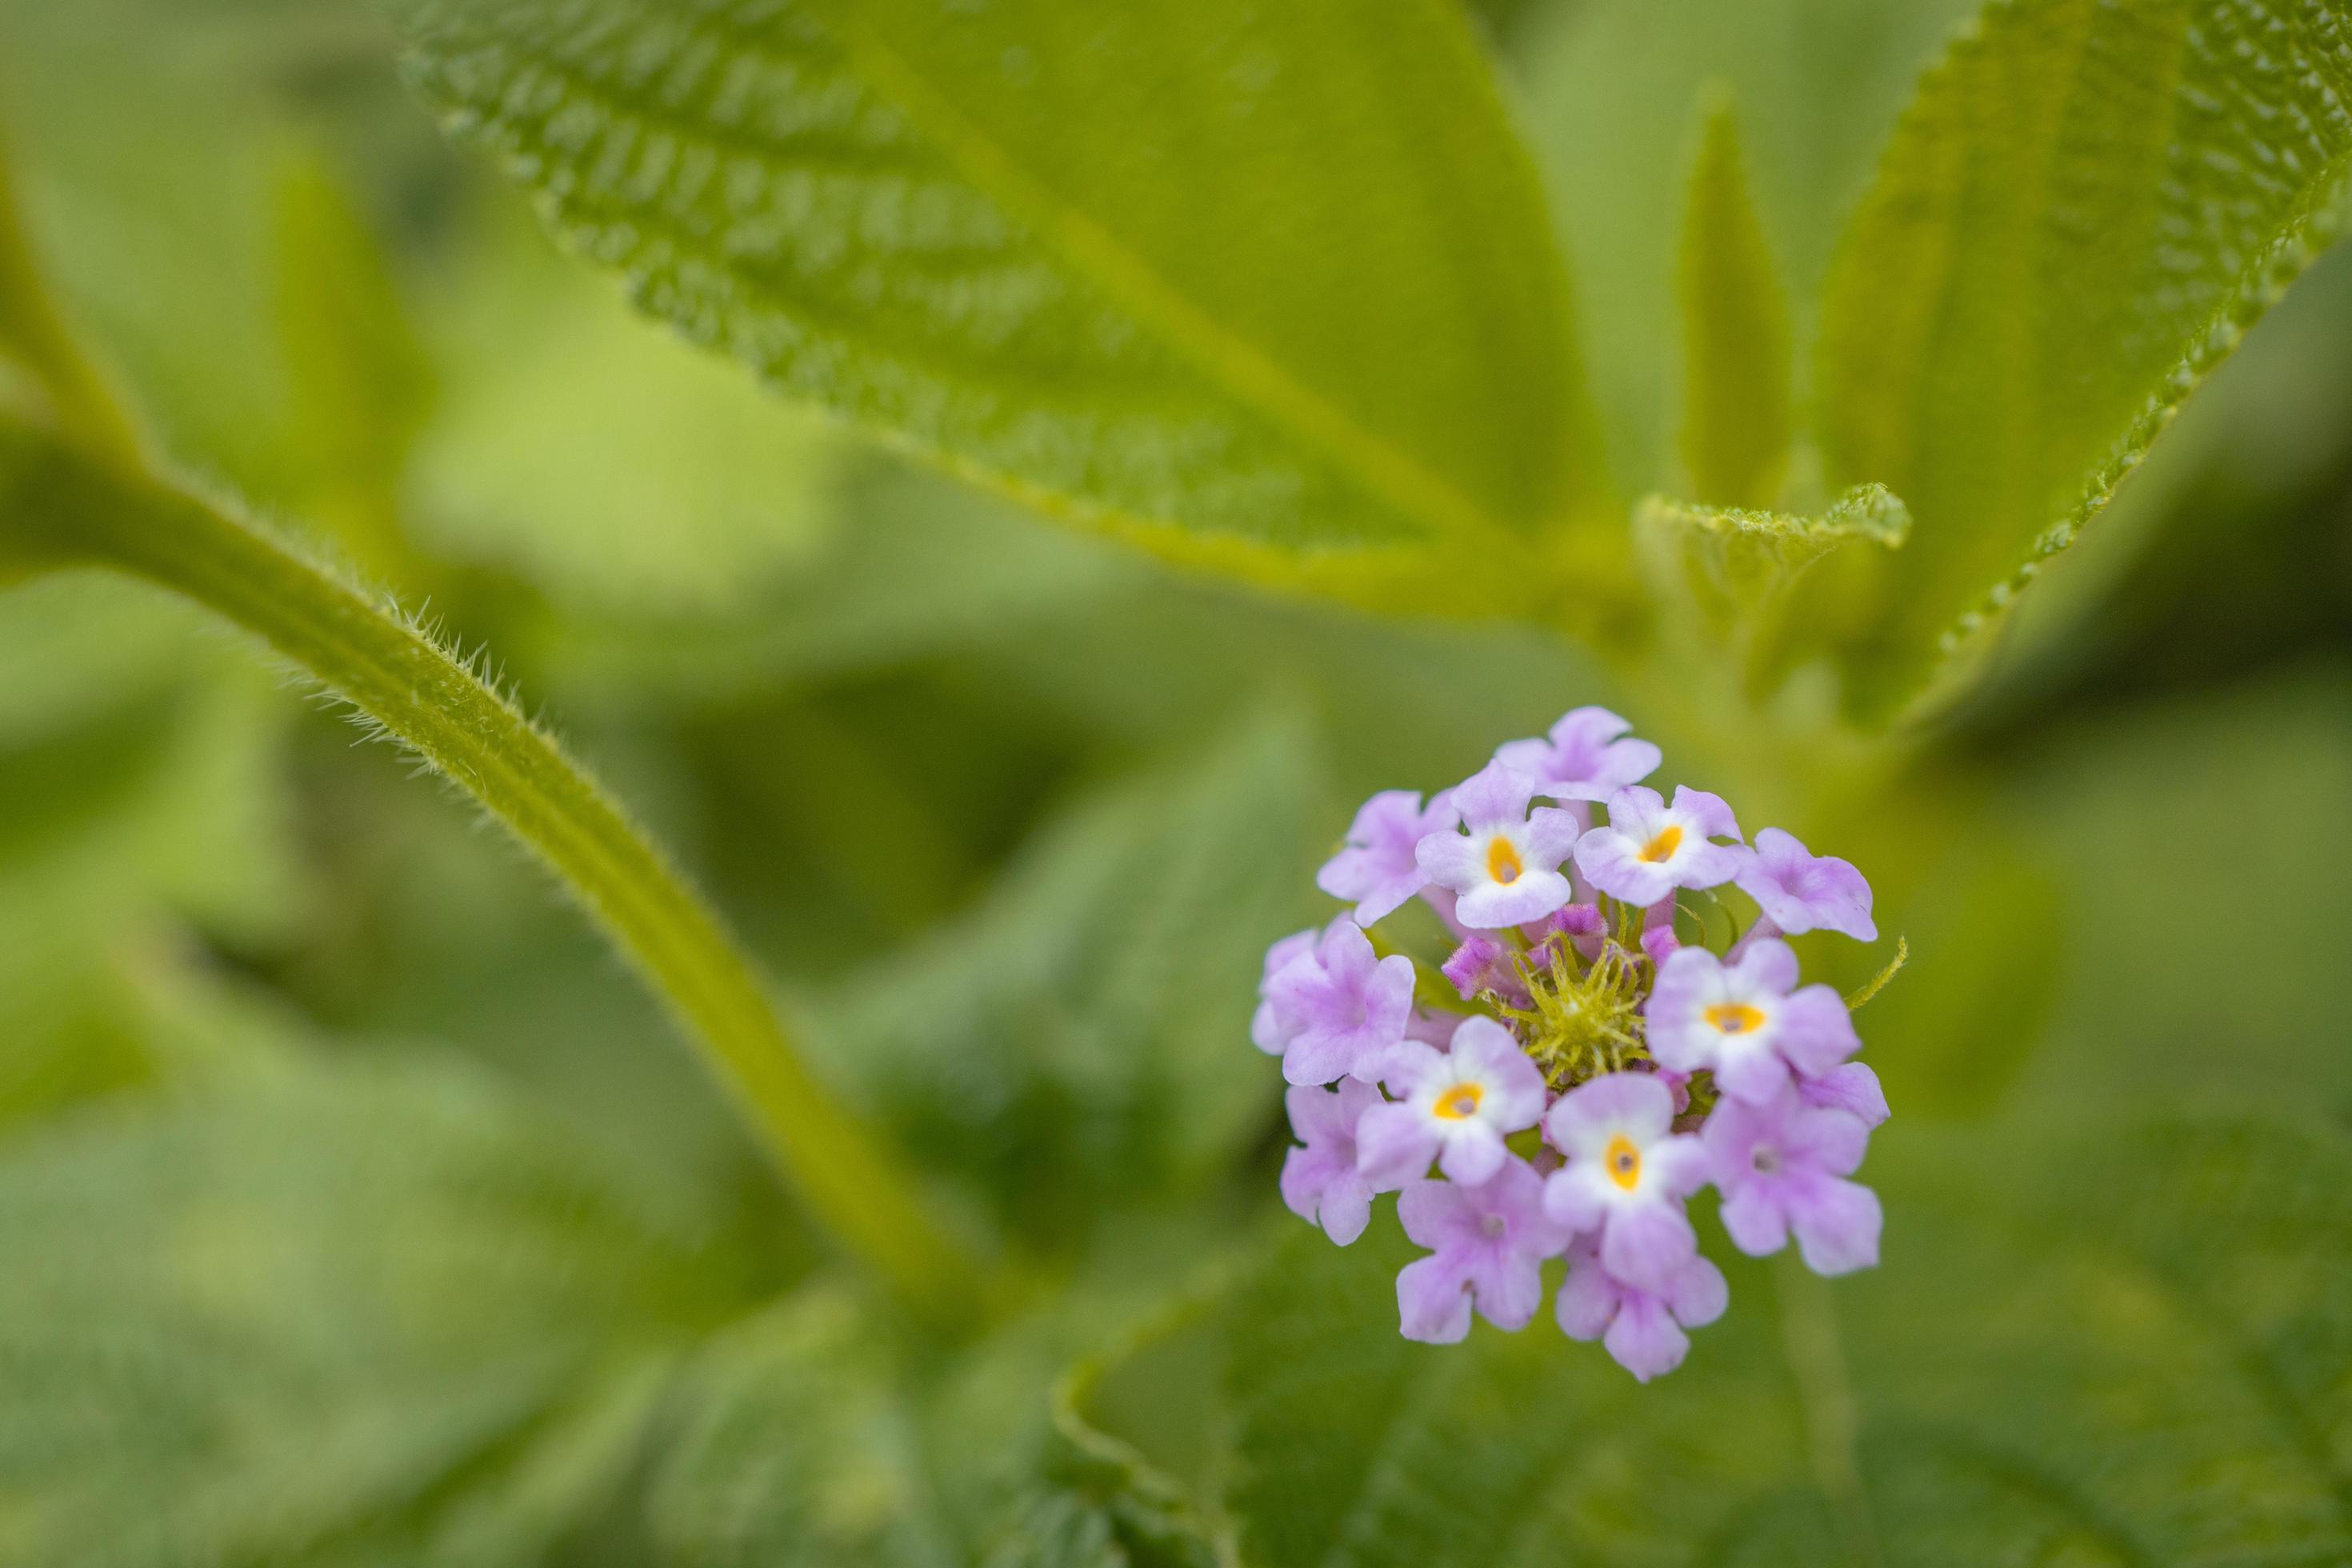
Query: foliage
pixel 357 1213
pixel 2078 217
pixel 1738 421
pixel 1266 389
pixel 2143 1370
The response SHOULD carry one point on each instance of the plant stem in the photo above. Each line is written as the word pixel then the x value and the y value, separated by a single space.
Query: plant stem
pixel 73 507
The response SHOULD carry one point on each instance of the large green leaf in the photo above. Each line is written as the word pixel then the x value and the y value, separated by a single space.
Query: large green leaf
pixel 2083 209
pixel 261 1317
pixel 1274 272
pixel 2128 1347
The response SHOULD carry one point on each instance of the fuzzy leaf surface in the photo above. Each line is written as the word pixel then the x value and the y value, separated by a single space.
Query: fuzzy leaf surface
pixel 2083 210
pixel 1274 272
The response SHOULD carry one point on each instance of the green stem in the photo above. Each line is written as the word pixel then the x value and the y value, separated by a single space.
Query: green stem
pixel 72 507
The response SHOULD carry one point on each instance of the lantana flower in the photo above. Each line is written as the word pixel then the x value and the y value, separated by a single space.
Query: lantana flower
pixel 1320 1182
pixel 1567 1000
pixel 1583 757
pixel 1267 1031
pixel 1799 891
pixel 1626 1175
pixel 1850 1087
pixel 1641 1330
pixel 1504 868
pixel 1489 1238
pixel 1782 1168
pixel 1454 1107
pixel 1377 868
pixel 1649 848
pixel 1743 1022
pixel 1342 1009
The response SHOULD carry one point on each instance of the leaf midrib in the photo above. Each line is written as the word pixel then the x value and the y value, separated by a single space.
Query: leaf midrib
pixel 1244 368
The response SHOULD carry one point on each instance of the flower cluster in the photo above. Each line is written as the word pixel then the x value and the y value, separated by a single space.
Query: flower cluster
pixel 1572 1073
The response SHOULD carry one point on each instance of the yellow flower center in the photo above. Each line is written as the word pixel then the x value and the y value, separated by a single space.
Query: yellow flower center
pixel 1734 1017
pixel 1664 845
pixel 1502 861
pixel 1623 1162
pixel 1461 1103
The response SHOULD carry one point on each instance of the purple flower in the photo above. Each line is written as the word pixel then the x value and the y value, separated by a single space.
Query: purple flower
pixel 1800 892
pixel 1377 868
pixel 1320 1182
pixel 1741 1020
pixel 1267 1031
pixel 1853 1089
pixel 1641 1328
pixel 1456 1109
pixel 1344 1010
pixel 1505 869
pixel 1649 848
pixel 1483 964
pixel 1582 759
pixel 1627 1175
pixel 1782 1167
pixel 1490 1241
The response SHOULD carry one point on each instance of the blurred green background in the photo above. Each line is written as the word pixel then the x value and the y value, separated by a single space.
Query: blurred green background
pixel 356 1206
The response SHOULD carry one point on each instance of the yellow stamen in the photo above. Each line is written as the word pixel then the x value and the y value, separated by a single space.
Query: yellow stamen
pixel 1664 845
pixel 1502 861
pixel 1734 1017
pixel 1459 1103
pixel 1623 1162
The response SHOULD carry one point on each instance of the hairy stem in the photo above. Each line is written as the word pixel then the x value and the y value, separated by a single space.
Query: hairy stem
pixel 72 505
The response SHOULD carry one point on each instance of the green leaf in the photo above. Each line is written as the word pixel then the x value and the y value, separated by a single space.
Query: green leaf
pixel 1070 1042
pixel 256 1319
pixel 1275 273
pixel 1732 573
pixel 2083 209
pixel 1738 421
pixel 2132 1345
pixel 1609 104
pixel 594 454
pixel 794 1451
